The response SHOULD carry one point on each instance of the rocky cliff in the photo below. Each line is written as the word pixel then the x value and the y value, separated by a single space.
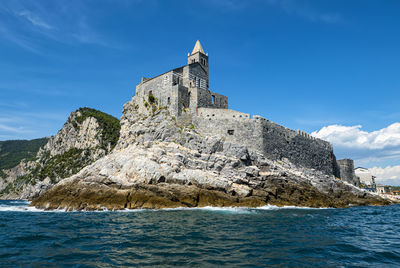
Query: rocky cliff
pixel 86 136
pixel 159 163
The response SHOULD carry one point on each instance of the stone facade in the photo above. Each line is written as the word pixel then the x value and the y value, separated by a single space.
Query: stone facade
pixel 185 93
pixel 184 88
pixel 366 178
pixel 346 171
pixel 275 141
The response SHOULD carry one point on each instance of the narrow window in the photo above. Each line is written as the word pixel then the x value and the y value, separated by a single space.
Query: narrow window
pixel 230 131
pixel 213 99
pixel 169 100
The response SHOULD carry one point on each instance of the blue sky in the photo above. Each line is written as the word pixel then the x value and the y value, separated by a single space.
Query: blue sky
pixel 326 67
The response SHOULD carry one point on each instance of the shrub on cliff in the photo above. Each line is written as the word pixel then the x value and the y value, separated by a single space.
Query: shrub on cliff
pixel 13 151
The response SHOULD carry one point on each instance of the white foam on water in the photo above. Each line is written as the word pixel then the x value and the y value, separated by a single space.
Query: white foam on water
pixel 19 208
pixel 273 207
pixel 23 206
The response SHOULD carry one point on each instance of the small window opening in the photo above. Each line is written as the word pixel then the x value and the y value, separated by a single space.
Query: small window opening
pixel 213 99
pixel 169 100
pixel 230 131
pixel 193 60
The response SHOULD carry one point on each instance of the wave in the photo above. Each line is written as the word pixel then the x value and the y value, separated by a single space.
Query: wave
pixel 23 206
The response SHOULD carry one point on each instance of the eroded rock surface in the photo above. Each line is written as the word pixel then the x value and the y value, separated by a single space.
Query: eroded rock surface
pixel 159 163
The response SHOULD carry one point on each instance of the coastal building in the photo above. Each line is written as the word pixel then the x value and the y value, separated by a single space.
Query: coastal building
pixel 382 189
pixel 184 89
pixel 185 93
pixel 367 180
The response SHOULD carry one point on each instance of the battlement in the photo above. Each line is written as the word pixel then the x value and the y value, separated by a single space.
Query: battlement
pixel 272 139
pixel 228 114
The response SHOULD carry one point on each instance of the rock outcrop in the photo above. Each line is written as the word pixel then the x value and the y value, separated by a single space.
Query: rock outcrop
pixel 86 136
pixel 159 163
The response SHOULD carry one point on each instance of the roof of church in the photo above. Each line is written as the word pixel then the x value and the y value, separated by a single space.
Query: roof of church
pixel 197 48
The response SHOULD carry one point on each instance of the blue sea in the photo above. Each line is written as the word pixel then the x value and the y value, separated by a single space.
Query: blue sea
pixel 207 237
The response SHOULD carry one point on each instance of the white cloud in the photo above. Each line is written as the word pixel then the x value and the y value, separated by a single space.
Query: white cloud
pixel 389 175
pixel 6 128
pixel 291 7
pixel 375 148
pixel 34 19
pixel 355 137
pixel 69 24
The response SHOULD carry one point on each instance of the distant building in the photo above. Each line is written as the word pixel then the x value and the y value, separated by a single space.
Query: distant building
pixel 382 189
pixel 367 180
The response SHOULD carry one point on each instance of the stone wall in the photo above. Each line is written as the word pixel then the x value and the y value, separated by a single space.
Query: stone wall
pixel 273 140
pixel 346 171
pixel 235 126
pixel 175 97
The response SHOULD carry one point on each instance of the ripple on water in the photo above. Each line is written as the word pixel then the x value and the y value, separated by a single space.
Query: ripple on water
pixel 268 236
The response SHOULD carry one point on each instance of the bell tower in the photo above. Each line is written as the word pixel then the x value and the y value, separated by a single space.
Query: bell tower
pixel 199 56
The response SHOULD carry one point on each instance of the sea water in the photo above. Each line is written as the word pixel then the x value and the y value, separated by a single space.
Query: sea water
pixel 207 237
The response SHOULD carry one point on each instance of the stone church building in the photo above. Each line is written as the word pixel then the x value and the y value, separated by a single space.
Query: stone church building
pixel 184 87
pixel 185 92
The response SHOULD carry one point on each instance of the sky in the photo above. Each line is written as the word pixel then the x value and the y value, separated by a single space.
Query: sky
pixel 327 67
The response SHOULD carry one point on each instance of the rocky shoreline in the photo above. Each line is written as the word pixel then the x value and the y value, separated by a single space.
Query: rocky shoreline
pixel 159 163
pixel 80 196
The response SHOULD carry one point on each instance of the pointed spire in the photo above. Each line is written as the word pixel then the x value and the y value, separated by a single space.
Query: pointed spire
pixel 197 48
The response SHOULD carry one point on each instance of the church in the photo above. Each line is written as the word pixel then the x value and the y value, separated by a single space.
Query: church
pixel 185 93
pixel 185 88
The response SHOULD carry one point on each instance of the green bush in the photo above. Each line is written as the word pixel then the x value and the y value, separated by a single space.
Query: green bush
pixel 152 99
pixel 2 174
pixel 59 166
pixel 13 151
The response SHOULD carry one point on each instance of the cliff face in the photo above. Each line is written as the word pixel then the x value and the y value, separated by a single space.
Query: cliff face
pixel 86 136
pixel 159 163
